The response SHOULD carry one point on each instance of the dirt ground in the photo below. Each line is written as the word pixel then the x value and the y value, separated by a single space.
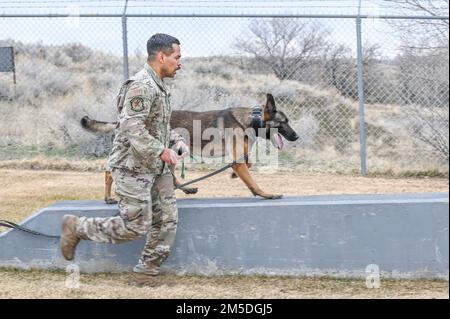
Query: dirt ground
pixel 25 191
pixel 30 190
pixel 48 284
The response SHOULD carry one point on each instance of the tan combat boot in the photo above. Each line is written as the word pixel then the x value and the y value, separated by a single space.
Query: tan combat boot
pixel 145 275
pixel 146 269
pixel 69 239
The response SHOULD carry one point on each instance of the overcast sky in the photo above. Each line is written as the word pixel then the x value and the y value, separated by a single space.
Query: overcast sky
pixel 199 6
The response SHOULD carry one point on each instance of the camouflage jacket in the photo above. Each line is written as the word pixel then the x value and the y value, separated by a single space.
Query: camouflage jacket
pixel 143 129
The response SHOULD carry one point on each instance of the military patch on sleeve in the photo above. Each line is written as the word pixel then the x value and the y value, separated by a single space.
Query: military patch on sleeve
pixel 137 104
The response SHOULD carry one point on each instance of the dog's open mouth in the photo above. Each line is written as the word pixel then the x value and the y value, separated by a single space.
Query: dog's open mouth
pixel 277 141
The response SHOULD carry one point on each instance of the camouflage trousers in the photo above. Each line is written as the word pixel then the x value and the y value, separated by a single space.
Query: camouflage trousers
pixel 147 206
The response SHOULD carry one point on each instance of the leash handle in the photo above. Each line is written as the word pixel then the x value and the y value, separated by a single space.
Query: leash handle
pixel 183 175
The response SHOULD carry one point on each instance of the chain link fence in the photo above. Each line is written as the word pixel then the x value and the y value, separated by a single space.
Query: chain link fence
pixel 67 68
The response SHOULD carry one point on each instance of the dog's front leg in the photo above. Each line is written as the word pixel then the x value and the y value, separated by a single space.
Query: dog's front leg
pixel 186 190
pixel 234 175
pixel 241 169
pixel 239 147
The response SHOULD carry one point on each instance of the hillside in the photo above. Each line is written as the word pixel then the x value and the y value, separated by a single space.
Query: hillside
pixel 57 85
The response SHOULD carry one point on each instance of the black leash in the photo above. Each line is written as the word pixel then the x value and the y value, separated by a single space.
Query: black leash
pixel 245 157
pixel 12 225
pixel 8 224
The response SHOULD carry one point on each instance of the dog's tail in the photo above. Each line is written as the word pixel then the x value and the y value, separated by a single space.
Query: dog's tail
pixel 97 126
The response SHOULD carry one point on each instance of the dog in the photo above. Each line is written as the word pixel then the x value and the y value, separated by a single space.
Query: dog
pixel 243 118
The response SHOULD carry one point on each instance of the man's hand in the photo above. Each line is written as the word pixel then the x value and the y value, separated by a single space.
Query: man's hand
pixel 168 156
pixel 181 149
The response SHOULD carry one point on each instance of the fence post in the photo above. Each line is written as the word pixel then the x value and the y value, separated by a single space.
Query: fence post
pixel 362 125
pixel 125 42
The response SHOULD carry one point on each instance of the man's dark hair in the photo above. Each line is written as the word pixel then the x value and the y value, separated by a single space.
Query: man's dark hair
pixel 160 42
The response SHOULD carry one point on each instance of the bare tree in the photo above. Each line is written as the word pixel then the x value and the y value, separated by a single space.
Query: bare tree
pixel 340 69
pixel 282 45
pixel 435 32
pixel 336 58
pixel 424 69
pixel 431 7
pixel 431 127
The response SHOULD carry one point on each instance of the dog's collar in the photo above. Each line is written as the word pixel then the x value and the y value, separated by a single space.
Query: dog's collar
pixel 257 118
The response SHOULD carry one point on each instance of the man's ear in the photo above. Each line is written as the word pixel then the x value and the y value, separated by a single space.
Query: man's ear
pixel 270 107
pixel 161 57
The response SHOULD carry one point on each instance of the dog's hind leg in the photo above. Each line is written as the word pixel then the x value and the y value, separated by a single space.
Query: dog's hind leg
pixel 108 185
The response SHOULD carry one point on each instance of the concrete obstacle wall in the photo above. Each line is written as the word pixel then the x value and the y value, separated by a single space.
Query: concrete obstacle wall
pixel 404 236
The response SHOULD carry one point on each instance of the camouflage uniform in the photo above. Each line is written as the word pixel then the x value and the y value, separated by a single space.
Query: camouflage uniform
pixel 147 204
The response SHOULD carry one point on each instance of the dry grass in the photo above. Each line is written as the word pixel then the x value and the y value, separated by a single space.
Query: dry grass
pixel 29 190
pixel 54 163
pixel 48 284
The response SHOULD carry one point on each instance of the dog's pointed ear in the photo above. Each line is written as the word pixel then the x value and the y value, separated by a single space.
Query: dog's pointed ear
pixel 270 108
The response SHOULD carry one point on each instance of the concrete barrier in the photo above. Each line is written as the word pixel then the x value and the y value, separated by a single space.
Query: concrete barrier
pixel 403 236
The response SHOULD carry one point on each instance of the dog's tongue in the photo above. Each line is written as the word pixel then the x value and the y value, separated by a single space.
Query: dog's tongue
pixel 278 140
